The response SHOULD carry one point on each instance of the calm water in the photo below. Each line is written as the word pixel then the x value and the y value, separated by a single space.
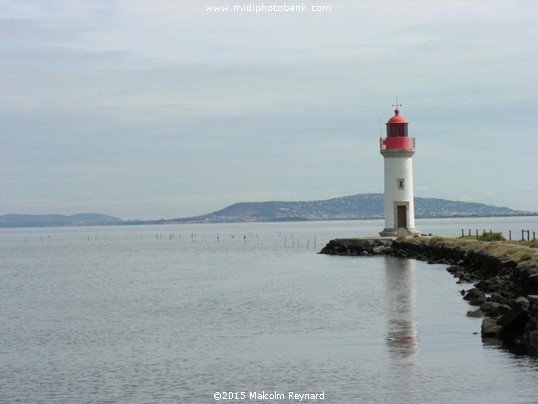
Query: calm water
pixel 172 314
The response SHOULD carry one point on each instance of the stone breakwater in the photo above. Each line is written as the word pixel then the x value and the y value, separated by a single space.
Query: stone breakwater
pixel 505 278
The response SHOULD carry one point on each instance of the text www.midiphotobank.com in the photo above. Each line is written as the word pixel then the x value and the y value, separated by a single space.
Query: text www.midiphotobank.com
pixel 268 8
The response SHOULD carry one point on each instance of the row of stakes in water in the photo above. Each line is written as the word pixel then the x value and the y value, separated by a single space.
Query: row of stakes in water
pixel 288 242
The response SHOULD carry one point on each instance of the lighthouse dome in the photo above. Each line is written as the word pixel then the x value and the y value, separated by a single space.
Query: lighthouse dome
pixel 396 119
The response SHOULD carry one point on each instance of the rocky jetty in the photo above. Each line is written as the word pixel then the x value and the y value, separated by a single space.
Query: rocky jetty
pixel 505 278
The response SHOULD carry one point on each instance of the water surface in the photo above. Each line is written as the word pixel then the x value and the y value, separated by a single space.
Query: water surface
pixel 171 314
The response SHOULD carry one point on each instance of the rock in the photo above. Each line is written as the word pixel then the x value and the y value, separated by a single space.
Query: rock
pixel 381 249
pixel 523 302
pixel 530 333
pixel 475 313
pixel 490 328
pixel 531 341
pixel 508 263
pixel 454 269
pixel 458 274
pixel 493 309
pixel 528 278
pixel 497 298
pixel 478 301
pixel 510 295
pixel 474 293
pixel 490 285
pixel 513 323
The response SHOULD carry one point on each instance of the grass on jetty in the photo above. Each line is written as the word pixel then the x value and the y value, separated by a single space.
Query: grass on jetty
pixel 519 251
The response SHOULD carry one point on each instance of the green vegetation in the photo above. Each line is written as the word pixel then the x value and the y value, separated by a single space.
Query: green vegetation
pixel 491 237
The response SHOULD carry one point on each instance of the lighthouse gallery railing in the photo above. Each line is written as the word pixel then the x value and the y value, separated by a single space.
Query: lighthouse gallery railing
pixel 397 143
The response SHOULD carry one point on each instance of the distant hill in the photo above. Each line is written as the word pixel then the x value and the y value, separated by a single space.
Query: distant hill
pixel 361 206
pixel 82 219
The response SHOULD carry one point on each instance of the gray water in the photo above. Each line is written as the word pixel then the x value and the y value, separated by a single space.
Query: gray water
pixel 173 314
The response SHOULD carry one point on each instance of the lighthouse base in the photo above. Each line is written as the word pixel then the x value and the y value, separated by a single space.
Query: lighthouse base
pixel 400 232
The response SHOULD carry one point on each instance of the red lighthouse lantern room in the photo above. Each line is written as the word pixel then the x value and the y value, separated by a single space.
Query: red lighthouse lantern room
pixel 397 138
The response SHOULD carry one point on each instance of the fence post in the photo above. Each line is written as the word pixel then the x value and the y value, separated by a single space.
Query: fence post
pixel 477 234
pixel 510 235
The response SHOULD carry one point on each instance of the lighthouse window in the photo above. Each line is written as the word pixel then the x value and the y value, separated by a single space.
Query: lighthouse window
pixel 400 183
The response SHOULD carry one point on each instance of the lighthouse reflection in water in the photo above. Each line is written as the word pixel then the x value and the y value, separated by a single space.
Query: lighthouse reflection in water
pixel 400 291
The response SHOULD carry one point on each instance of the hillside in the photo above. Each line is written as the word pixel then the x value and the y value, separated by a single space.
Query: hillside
pixel 361 206
pixel 82 219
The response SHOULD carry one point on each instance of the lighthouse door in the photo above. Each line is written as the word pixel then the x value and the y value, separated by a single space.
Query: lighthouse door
pixel 402 216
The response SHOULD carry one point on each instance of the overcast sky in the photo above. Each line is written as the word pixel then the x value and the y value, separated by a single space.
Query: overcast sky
pixel 161 109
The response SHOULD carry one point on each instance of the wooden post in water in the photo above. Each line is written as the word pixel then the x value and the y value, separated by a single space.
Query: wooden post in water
pixel 477 234
pixel 523 235
pixel 462 233
pixel 509 234
pixel 469 232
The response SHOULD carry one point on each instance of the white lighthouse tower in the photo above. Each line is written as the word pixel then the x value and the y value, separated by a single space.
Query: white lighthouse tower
pixel 397 150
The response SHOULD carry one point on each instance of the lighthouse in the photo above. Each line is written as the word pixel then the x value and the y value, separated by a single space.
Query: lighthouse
pixel 397 150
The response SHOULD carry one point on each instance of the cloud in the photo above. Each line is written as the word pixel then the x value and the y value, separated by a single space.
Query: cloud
pixel 147 101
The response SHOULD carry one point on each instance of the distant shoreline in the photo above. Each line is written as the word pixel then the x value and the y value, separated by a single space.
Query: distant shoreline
pixel 291 220
pixel 367 206
pixel 189 221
